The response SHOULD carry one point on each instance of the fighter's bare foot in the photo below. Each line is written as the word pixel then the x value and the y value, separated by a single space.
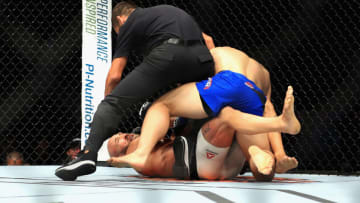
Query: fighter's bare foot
pixel 134 159
pixel 262 160
pixel 285 163
pixel 291 124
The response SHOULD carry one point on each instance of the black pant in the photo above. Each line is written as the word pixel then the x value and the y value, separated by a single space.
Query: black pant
pixel 164 65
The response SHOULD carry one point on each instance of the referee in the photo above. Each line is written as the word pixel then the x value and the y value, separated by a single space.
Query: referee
pixel 174 52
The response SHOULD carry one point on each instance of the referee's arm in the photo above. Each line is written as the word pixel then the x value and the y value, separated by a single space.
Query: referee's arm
pixel 115 73
pixel 208 41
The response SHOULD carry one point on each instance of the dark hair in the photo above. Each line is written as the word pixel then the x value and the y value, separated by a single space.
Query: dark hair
pixel 74 143
pixel 122 8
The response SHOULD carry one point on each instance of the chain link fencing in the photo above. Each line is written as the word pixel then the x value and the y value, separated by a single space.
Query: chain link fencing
pixel 312 45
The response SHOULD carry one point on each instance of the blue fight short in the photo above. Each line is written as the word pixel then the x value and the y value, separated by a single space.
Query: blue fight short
pixel 228 88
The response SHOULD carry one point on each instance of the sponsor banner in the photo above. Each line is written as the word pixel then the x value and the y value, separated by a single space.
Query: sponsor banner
pixel 96 62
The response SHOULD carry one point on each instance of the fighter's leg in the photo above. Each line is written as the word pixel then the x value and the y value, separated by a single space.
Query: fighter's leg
pixel 290 122
pixel 214 144
pixel 258 153
pixel 183 101
pixel 283 162
pixel 234 161
pixel 249 124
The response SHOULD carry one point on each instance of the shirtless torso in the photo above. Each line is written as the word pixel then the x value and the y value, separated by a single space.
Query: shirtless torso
pixel 227 58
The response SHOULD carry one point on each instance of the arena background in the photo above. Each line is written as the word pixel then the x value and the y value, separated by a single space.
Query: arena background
pixel 313 45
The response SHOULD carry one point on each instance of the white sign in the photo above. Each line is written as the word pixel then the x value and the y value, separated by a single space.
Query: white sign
pixel 96 62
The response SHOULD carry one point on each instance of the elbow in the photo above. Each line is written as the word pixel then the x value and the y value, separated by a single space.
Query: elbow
pixel 208 41
pixel 110 84
pixel 113 80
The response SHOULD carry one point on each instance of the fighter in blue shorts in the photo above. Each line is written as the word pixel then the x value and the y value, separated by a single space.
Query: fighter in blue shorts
pixel 235 95
pixel 228 88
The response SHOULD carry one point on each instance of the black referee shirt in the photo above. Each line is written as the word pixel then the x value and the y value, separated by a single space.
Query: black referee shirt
pixel 147 27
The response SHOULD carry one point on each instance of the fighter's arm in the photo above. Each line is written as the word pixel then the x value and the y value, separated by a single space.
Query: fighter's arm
pixel 115 73
pixel 208 41
pixel 249 124
pixel 160 160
